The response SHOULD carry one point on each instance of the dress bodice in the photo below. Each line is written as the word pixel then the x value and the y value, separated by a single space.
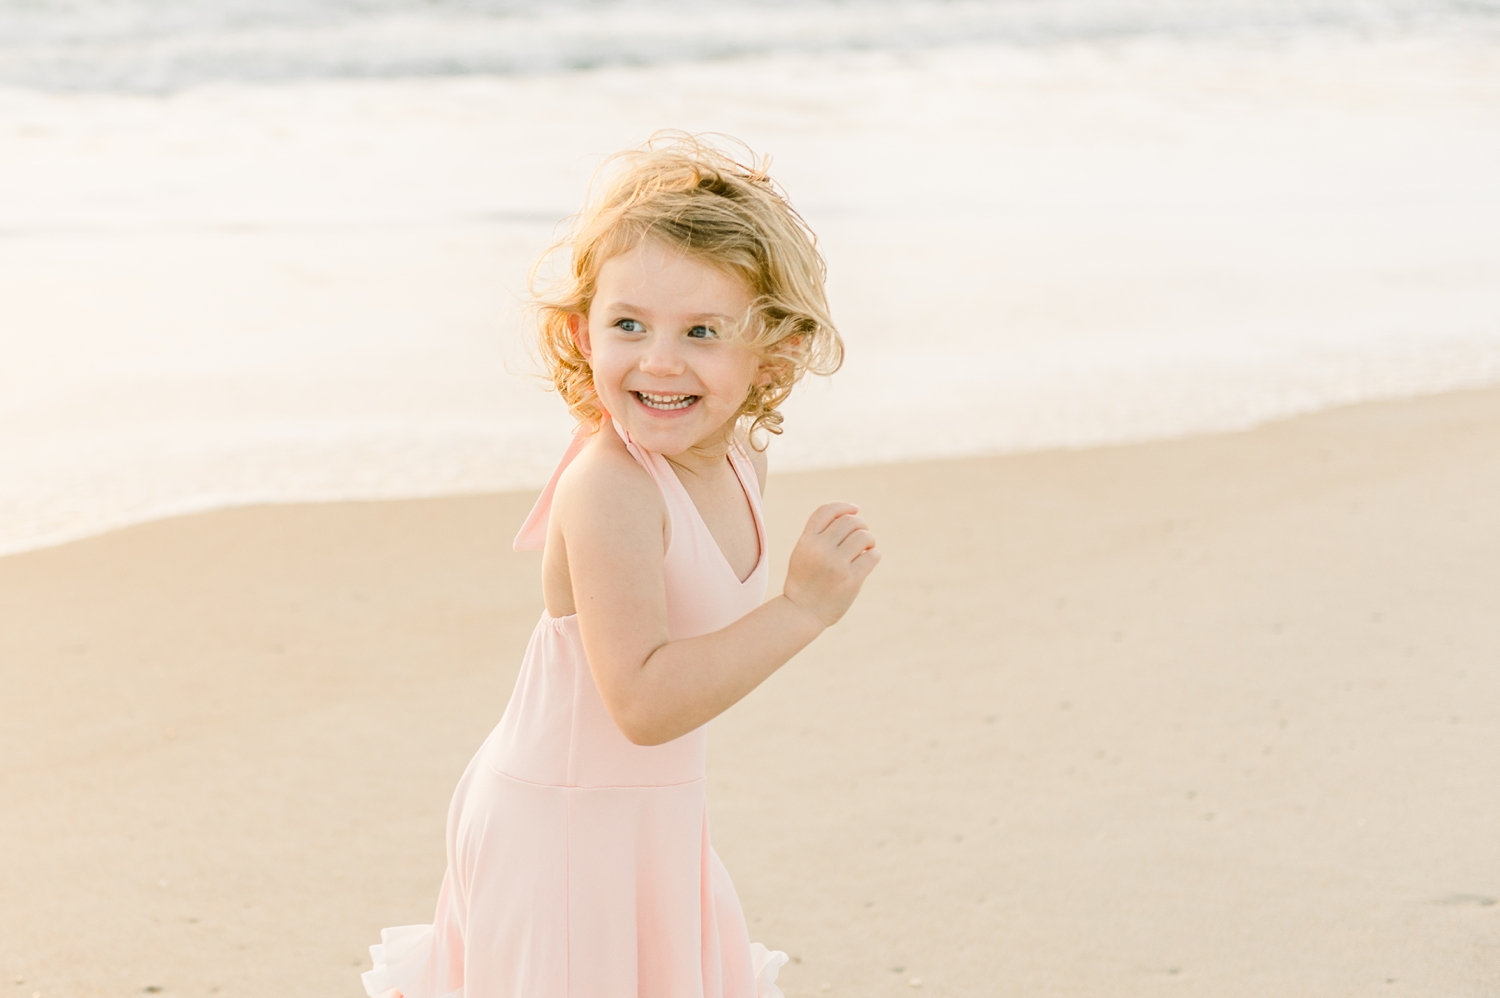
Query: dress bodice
pixel 556 730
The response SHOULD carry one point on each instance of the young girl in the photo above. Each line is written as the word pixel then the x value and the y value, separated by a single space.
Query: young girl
pixel 579 864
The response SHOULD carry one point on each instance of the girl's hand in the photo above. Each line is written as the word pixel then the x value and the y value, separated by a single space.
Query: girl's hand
pixel 834 555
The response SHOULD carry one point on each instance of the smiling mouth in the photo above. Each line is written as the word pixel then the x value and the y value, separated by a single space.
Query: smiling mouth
pixel 665 403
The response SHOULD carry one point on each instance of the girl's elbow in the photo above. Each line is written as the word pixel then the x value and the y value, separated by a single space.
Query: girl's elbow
pixel 647 737
pixel 637 723
pixel 637 713
pixel 643 732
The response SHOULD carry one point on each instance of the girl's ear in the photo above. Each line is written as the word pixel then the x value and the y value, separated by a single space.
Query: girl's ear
pixel 578 327
pixel 770 367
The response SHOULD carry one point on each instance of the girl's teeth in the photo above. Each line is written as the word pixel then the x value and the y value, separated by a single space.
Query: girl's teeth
pixel 666 401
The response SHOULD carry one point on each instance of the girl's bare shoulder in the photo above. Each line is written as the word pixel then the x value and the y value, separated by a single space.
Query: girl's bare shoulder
pixel 605 484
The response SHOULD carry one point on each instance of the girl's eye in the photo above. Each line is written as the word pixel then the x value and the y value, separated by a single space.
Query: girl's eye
pixel 629 325
pixel 702 333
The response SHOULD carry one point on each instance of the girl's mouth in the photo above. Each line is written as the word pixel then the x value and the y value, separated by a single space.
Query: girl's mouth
pixel 665 403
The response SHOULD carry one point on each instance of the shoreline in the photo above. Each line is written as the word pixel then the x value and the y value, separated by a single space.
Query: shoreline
pixel 1206 712
pixel 199 507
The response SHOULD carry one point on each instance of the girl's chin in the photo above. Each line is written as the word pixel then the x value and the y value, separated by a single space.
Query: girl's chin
pixel 665 432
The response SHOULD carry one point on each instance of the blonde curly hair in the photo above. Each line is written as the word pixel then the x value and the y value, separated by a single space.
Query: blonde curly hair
pixel 688 193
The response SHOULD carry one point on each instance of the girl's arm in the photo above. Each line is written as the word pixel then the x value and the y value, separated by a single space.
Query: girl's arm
pixel 612 524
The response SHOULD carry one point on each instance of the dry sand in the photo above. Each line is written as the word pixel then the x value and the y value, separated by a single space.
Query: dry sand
pixel 1214 716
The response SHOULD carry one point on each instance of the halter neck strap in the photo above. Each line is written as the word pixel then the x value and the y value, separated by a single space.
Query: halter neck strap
pixel 533 533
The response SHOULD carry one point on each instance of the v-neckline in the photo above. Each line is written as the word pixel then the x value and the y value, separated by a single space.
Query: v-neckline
pixel 755 518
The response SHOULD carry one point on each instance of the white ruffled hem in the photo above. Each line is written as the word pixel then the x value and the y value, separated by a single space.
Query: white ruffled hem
pixel 404 954
pixel 403 959
pixel 766 963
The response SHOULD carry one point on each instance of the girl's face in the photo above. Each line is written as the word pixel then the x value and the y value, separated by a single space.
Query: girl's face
pixel 660 337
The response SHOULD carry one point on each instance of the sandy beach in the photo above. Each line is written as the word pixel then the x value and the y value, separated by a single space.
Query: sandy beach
pixel 1211 716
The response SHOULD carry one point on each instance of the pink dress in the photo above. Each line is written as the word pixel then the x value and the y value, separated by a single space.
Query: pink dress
pixel 579 864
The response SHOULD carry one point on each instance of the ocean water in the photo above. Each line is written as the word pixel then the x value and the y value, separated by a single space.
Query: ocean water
pixel 164 45
pixel 271 251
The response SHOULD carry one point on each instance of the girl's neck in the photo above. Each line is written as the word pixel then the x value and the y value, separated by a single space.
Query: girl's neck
pixel 701 459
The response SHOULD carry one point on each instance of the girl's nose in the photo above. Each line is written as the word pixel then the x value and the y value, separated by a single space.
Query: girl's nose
pixel 661 356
